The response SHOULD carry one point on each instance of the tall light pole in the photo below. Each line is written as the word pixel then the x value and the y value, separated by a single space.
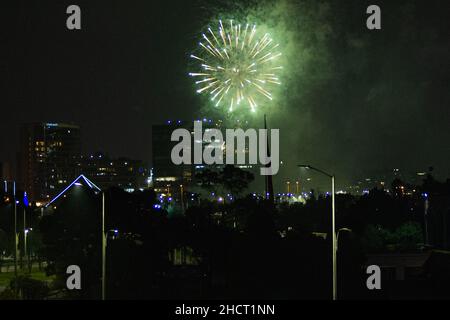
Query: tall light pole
pixel 15 237
pixel 425 216
pixel 269 182
pixel 103 247
pixel 25 235
pixel 333 224
pixel 25 231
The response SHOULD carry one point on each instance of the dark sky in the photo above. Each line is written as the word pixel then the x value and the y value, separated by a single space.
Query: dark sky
pixel 359 103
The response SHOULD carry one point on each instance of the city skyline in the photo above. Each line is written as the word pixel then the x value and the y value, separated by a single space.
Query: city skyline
pixel 370 119
pixel 82 165
pixel 194 153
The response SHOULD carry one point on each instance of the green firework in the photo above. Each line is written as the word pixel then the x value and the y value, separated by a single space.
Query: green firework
pixel 237 66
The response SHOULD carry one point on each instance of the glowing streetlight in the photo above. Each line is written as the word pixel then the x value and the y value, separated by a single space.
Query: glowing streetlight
pixel 25 233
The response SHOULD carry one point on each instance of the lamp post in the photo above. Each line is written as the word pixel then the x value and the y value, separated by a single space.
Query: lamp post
pixel 425 216
pixel 15 238
pixel 25 231
pixel 269 182
pixel 103 248
pixel 333 224
pixel 25 235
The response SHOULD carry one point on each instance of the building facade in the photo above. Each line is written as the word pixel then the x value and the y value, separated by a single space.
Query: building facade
pixel 168 177
pixel 172 179
pixel 107 172
pixel 48 158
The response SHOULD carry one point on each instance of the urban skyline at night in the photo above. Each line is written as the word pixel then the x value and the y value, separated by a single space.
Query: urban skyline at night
pixel 225 157
pixel 322 128
pixel 382 179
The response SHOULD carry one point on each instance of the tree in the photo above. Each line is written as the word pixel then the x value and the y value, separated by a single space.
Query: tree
pixel 231 179
pixel 234 179
pixel 208 180
pixel 405 238
pixel 376 238
pixel 408 236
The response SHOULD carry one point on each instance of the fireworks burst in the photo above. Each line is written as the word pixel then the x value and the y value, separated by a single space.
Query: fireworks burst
pixel 237 65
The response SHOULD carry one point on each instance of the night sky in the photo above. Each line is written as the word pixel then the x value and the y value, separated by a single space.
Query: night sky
pixel 356 102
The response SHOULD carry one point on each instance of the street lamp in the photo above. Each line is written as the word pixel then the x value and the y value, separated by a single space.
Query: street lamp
pixel 425 216
pixel 103 237
pixel 104 244
pixel 25 233
pixel 333 223
pixel 78 184
pixel 103 248
pixel 15 239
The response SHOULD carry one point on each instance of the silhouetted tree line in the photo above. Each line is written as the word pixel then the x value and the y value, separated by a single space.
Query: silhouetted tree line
pixel 245 248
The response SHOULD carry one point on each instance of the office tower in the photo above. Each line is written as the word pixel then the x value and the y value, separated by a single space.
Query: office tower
pixel 107 172
pixel 168 177
pixel 48 158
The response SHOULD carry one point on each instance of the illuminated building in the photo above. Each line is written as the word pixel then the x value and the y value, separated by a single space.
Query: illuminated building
pixel 170 178
pixel 47 158
pixel 124 173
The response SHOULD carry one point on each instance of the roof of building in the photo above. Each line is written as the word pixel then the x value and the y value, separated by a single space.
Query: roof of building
pixel 81 180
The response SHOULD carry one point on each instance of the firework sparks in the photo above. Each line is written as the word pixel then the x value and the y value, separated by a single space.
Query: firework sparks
pixel 236 66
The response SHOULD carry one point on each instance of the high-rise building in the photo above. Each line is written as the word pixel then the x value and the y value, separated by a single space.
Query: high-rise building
pixel 107 172
pixel 170 178
pixel 48 158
